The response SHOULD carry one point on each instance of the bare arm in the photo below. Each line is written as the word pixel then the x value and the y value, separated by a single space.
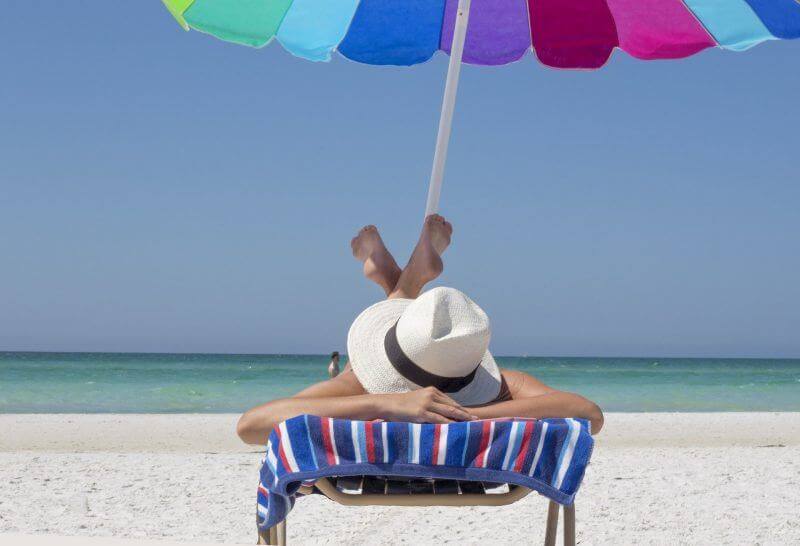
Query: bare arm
pixel 344 397
pixel 532 398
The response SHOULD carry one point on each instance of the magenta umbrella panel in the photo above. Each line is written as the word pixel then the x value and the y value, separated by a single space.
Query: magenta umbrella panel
pixel 580 34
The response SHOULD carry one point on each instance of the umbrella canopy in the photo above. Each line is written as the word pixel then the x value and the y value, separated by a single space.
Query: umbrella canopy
pixel 577 34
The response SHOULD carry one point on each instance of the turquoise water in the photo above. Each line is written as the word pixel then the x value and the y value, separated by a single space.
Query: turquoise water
pixel 160 383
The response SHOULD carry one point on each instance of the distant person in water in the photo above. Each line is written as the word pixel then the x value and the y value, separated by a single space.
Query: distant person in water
pixel 419 357
pixel 333 367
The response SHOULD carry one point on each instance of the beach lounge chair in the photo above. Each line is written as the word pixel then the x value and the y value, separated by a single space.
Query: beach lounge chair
pixel 478 463
pixel 378 491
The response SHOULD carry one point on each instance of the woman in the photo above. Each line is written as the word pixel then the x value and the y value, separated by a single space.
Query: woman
pixel 333 366
pixel 419 357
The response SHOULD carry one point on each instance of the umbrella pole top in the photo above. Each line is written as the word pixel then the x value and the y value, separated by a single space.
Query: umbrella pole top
pixel 448 107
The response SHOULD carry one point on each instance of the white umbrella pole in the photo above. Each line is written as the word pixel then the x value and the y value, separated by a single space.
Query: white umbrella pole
pixel 448 105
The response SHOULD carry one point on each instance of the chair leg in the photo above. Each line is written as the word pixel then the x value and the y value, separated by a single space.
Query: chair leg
pixel 275 535
pixel 281 532
pixel 569 525
pixel 552 524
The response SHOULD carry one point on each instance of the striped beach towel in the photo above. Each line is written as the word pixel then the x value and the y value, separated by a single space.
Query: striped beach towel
pixel 547 455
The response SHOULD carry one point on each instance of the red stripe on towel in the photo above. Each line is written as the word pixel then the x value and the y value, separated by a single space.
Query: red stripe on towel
pixel 282 454
pixel 437 430
pixel 326 439
pixel 370 442
pixel 523 448
pixel 484 443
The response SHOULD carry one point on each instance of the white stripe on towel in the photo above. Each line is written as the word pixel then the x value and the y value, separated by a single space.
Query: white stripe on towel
pixel 512 442
pixel 356 446
pixel 566 460
pixel 538 449
pixel 287 448
pixel 272 461
pixel 442 453
pixel 488 445
pixel 416 431
pixel 333 440
pixel 385 438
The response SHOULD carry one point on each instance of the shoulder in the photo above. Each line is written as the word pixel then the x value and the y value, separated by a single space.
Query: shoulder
pixel 523 385
pixel 344 384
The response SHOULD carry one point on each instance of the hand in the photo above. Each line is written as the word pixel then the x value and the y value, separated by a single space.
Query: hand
pixel 427 405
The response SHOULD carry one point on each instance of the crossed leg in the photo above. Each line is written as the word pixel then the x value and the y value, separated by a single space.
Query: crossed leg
pixel 424 265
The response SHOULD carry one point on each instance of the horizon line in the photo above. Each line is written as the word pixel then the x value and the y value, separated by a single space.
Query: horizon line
pixel 342 354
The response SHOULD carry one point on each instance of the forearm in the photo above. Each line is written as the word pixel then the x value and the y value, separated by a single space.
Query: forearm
pixel 256 424
pixel 426 405
pixel 554 404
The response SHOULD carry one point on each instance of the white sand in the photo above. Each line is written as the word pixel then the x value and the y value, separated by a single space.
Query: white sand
pixel 655 479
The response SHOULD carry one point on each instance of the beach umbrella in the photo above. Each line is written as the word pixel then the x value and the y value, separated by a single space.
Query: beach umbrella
pixel 569 34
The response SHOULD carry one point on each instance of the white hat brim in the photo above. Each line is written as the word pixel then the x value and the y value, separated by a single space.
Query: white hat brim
pixel 367 354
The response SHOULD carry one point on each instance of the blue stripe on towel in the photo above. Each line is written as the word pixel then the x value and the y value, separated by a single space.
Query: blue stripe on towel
pixel 398 441
pixel 456 439
pixel 362 440
pixel 311 449
pixel 537 447
pixel 497 448
pixel 426 444
pixel 303 453
pixel 377 441
pixel 466 445
pixel 553 450
pixel 473 443
pixel 342 431
pixel 318 443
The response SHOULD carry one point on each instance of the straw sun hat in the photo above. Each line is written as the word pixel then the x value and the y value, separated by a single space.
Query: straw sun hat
pixel 440 339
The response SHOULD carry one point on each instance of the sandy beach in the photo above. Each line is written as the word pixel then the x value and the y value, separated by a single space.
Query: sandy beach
pixel 723 478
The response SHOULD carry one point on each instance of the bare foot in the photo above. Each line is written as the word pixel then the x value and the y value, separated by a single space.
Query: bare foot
pixel 379 265
pixel 426 261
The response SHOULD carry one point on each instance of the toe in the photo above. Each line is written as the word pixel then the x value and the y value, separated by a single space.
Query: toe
pixel 434 218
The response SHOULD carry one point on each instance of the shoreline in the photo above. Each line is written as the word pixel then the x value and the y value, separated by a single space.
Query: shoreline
pixel 215 433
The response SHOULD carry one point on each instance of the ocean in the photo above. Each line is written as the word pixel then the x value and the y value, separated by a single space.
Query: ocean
pixel 216 383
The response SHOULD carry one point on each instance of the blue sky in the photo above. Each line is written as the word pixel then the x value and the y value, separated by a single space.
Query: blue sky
pixel 164 191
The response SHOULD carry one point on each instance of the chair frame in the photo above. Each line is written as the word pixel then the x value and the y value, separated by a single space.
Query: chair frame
pixel 276 535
